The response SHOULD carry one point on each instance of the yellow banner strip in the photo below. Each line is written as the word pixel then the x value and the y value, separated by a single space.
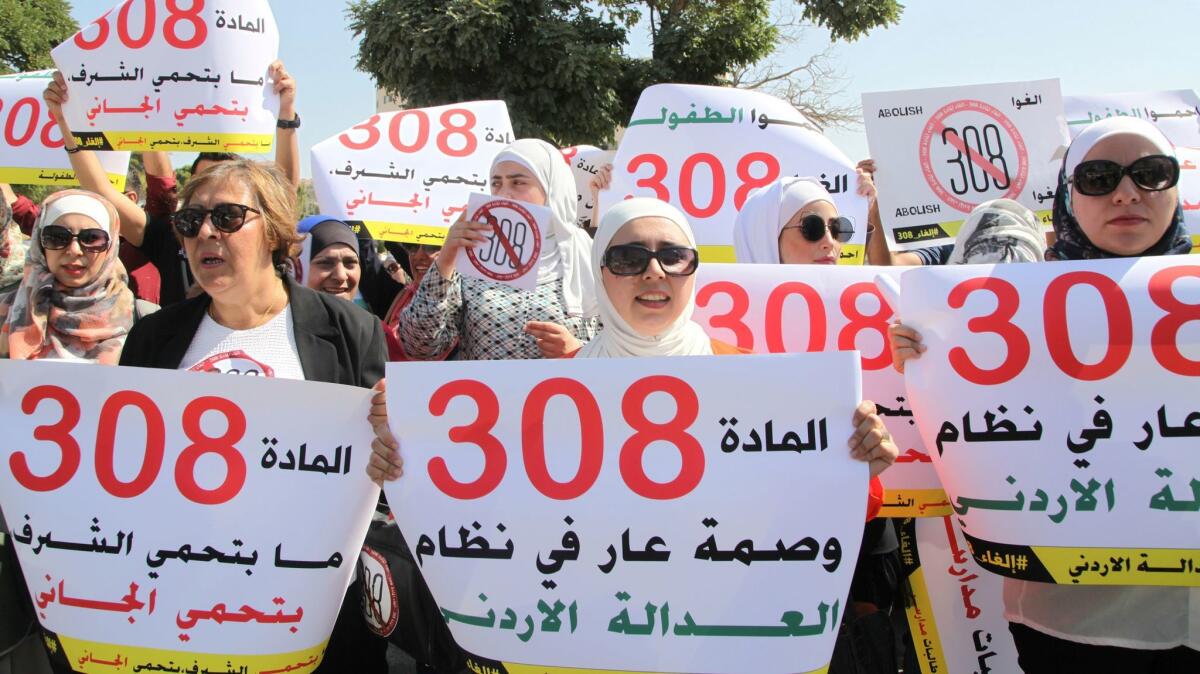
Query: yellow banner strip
pixel 1121 566
pixel 852 253
pixel 92 657
pixel 915 503
pixel 926 642
pixel 406 233
pixel 58 177
pixel 184 141
pixel 514 668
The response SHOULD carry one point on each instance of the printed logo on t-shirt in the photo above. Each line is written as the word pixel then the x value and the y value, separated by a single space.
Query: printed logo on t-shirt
pixel 233 362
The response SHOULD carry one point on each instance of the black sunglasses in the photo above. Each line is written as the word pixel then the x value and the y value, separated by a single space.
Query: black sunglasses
pixel 57 237
pixel 227 218
pixel 1098 177
pixel 631 260
pixel 813 227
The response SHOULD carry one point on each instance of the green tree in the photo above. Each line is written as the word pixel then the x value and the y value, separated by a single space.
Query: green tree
pixel 29 29
pixel 561 65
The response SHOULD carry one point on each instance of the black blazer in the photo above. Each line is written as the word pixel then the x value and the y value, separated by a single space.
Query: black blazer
pixel 338 342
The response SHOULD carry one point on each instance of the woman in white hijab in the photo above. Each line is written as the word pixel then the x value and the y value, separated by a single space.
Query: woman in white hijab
pixel 495 321
pixel 795 221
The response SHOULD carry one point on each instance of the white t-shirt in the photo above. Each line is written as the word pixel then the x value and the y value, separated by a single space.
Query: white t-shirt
pixel 266 351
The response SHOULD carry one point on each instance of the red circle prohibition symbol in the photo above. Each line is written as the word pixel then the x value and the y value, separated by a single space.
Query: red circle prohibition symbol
pixel 485 214
pixel 936 125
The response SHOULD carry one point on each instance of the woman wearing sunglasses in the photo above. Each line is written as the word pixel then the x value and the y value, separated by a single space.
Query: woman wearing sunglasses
pixel 237 224
pixel 73 303
pixel 420 259
pixel 1117 197
pixel 495 321
pixel 793 221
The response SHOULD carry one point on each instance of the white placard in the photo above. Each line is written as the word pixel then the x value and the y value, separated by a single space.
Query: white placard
pixel 594 513
pixel 773 309
pixel 704 149
pixel 1176 113
pixel 165 516
pixel 510 255
pixel 408 174
pixel 159 75
pixel 1189 190
pixel 585 161
pixel 956 609
pixel 32 152
pixel 941 152
pixel 1059 400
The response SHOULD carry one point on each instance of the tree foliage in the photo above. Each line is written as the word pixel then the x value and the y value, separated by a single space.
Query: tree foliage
pixel 562 65
pixel 29 29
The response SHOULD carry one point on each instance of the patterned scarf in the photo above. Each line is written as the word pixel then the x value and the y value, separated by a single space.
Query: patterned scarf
pixel 43 318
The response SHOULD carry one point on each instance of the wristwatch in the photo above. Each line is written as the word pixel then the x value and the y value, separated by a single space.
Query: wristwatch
pixel 289 124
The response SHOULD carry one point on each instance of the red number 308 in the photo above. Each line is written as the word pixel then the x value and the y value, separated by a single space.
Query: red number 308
pixel 1163 337
pixel 533 449
pixel 60 434
pixel 175 16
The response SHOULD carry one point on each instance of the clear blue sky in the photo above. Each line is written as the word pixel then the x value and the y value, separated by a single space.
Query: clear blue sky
pixel 1093 47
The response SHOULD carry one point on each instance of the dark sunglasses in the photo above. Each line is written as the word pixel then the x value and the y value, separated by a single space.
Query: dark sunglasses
pixel 57 237
pixel 813 227
pixel 414 248
pixel 1098 177
pixel 631 260
pixel 227 218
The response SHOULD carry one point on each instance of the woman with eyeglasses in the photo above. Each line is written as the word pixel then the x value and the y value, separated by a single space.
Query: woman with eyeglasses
pixel 237 224
pixel 496 321
pixel 73 303
pixel 793 221
pixel 1117 197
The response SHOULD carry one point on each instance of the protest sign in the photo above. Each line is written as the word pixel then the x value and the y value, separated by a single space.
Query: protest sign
pixel 510 255
pixel 585 161
pixel 1189 191
pixel 164 517
pixel 704 149
pixel 154 75
pixel 1175 113
pixel 607 515
pixel 955 610
pixel 942 152
pixel 1059 400
pixel 407 174
pixel 32 152
pixel 796 308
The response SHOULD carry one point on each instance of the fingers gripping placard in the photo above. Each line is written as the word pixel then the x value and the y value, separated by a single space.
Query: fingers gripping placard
pixel 585 513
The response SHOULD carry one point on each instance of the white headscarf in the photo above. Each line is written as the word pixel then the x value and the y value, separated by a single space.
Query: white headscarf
pixel 567 249
pixel 766 211
pixel 999 231
pixel 618 338
pixel 1092 134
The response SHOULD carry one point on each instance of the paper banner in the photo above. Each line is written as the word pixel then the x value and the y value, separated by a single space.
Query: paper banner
pixel 704 149
pixel 166 517
pixel 579 515
pixel 154 76
pixel 408 174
